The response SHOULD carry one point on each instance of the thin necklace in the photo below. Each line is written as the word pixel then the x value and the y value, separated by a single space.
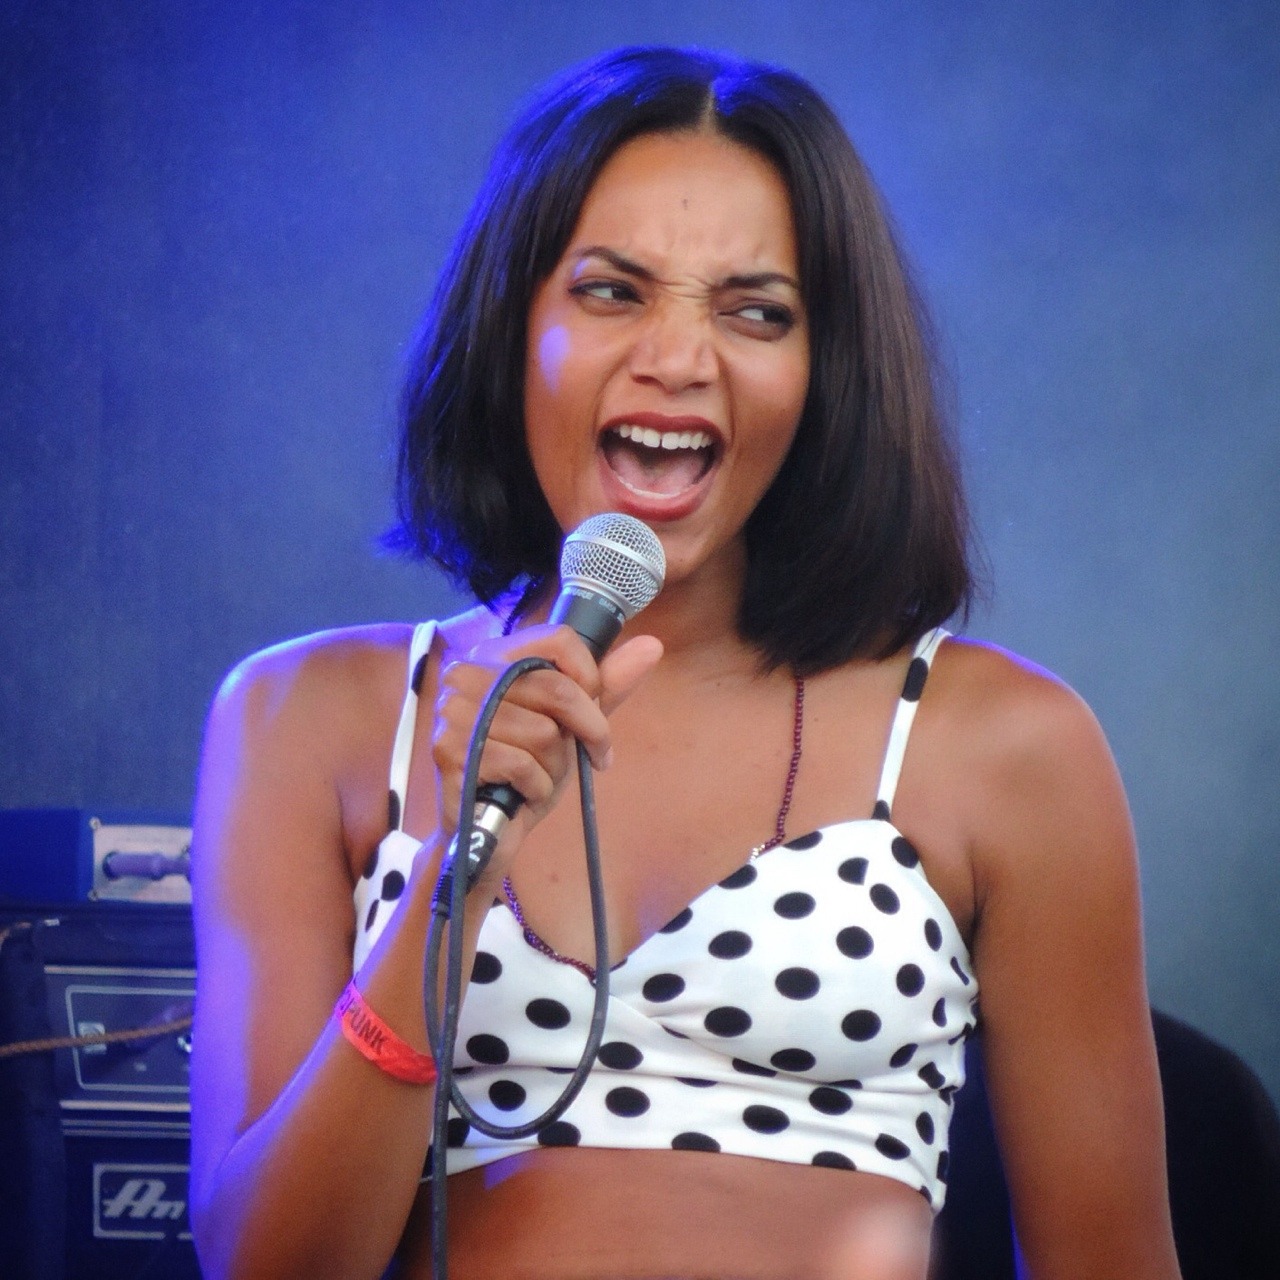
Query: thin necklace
pixel 779 834
pixel 793 768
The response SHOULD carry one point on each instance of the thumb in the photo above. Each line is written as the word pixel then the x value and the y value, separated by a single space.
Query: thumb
pixel 623 668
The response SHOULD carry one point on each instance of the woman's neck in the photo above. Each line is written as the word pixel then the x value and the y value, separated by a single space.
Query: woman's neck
pixel 695 617
pixel 698 626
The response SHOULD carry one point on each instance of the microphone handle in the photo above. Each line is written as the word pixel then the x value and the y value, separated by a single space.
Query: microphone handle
pixel 592 614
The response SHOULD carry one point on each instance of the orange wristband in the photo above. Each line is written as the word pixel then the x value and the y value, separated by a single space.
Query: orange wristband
pixel 374 1040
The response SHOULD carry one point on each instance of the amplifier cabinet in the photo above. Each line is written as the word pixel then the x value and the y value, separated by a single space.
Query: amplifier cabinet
pixel 151 1075
pixel 95 1138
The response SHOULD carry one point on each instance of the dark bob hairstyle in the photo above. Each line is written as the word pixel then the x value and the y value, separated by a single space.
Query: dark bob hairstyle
pixel 860 544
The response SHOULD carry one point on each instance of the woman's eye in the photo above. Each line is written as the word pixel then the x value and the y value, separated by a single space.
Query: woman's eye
pixel 604 290
pixel 768 316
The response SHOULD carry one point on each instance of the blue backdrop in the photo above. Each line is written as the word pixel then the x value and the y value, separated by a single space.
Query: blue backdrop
pixel 220 220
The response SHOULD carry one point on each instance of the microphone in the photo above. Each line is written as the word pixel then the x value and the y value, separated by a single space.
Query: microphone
pixel 611 566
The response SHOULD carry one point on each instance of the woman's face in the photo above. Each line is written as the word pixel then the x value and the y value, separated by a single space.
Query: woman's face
pixel 668 354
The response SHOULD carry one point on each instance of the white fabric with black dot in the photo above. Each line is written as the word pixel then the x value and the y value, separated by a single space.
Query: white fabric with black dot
pixel 810 1008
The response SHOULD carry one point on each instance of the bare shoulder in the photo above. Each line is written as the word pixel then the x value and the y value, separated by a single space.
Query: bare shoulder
pixel 1035 758
pixel 328 669
pixel 283 736
pixel 1017 705
pixel 305 727
pixel 302 731
pixel 1020 720
pixel 320 671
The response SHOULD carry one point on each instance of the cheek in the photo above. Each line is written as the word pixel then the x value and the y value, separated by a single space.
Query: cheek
pixel 550 355
pixel 781 396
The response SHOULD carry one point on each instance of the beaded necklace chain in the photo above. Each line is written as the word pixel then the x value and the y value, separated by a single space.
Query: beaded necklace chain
pixel 779 830
pixel 793 768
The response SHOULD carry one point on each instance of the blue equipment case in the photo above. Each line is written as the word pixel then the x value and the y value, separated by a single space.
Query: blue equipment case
pixel 63 855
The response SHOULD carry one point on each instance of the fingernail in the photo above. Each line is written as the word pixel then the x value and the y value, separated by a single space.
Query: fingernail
pixel 607 759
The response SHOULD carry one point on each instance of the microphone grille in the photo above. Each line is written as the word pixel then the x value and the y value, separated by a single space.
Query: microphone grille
pixel 617 554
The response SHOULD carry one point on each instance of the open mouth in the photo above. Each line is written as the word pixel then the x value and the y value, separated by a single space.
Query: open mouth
pixel 658 464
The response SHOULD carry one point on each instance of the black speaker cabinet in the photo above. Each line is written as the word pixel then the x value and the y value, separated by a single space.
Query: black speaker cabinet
pixel 94 1139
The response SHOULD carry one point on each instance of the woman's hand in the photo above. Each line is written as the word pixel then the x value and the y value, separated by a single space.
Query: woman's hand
pixel 531 740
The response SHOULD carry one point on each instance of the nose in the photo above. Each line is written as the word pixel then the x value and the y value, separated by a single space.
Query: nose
pixel 674 347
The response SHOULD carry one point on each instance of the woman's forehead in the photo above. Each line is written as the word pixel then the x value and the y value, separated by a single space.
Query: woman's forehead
pixel 671 202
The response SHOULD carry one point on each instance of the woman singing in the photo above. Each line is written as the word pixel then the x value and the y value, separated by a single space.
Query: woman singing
pixel 828 827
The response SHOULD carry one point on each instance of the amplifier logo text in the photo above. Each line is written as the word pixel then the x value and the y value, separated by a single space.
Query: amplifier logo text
pixel 140 1201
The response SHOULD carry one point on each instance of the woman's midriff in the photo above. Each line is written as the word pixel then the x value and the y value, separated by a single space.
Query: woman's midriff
pixel 603 1214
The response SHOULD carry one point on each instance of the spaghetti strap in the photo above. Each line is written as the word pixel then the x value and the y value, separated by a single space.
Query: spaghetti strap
pixel 904 717
pixel 402 749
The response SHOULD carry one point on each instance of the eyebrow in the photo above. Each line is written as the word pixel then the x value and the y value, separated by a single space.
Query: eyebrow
pixel 753 280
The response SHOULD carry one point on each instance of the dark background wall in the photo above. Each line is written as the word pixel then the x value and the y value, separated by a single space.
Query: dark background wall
pixel 219 221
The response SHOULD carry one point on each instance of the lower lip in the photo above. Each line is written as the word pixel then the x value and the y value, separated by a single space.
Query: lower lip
pixel 652 507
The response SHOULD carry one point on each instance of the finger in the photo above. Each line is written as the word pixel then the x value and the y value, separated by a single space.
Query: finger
pixel 556 712
pixel 537 777
pixel 555 705
pixel 624 668
pixel 511 766
pixel 559 644
pixel 532 733
pixel 538 720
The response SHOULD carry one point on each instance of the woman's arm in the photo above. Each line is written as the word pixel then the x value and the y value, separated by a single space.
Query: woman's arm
pixel 306 1157
pixel 1067 1035
pixel 287 1117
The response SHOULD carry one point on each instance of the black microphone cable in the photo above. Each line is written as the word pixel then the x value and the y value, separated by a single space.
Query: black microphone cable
pixel 611 566
pixel 463 863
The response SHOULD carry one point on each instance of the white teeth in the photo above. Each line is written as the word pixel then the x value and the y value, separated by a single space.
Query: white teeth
pixel 651 438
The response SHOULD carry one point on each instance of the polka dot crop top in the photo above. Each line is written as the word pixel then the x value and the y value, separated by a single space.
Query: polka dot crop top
pixel 810 1008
